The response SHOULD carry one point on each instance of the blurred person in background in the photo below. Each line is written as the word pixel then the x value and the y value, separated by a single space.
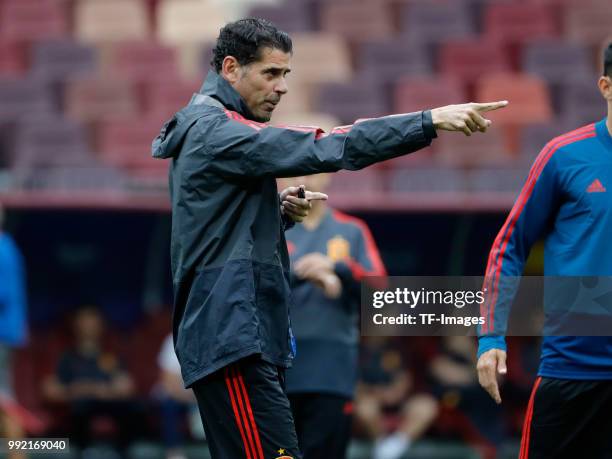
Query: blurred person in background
pixel 386 389
pixel 566 200
pixel 229 257
pixel 330 254
pixel 13 330
pixel 93 382
pixel 176 402
pixel 454 383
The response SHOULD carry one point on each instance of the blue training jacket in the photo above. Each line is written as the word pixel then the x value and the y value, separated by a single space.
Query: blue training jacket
pixel 567 199
pixel 13 322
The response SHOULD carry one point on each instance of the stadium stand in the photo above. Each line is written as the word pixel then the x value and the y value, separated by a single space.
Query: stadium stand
pixel 58 60
pixel 93 99
pixel 111 21
pixel 436 22
pixel 30 20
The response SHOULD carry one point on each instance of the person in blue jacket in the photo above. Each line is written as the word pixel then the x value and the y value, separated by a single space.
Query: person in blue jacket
pixel 567 199
pixel 13 323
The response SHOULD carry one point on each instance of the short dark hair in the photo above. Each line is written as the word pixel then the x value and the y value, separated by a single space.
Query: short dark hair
pixel 244 40
pixel 607 70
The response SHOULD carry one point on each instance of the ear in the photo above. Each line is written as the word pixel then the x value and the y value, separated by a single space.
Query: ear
pixel 230 69
pixel 605 86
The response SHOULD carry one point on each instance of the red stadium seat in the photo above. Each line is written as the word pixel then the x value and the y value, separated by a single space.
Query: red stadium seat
pixel 143 61
pixel 519 23
pixel 163 99
pixel 12 59
pixel 181 22
pixel 414 94
pixel 469 60
pixel 127 144
pixel 357 20
pixel 529 102
pixel 95 99
pixel 475 151
pixel 49 142
pixel 327 50
pixel 111 20
pixel 588 23
pixel 31 20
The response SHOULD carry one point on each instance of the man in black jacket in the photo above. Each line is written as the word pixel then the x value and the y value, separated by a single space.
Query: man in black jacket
pixel 230 264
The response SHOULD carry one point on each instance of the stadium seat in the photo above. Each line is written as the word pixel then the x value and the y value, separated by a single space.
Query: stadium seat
pixel 22 98
pixel 387 60
pixel 12 59
pixel 143 61
pixel 477 150
pixel 31 20
pixel 518 23
pixel 319 58
pixel 351 101
pixel 424 22
pixel 164 98
pixel 588 22
pixel 557 62
pixel 111 21
pixel 60 59
pixel 357 20
pixel 529 103
pixel 127 144
pixel 49 142
pixel 290 16
pixel 414 94
pixel 236 9
pixel 528 96
pixel 470 59
pixel 93 99
pixel 182 22
pixel 581 103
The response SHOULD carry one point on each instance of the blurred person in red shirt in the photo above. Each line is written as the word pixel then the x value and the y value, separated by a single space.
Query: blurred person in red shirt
pixel 386 389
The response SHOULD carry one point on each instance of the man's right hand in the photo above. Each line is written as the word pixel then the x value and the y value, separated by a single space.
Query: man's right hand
pixel 490 364
pixel 466 118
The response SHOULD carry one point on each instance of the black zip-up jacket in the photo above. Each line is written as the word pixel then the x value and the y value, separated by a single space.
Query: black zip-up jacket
pixel 230 264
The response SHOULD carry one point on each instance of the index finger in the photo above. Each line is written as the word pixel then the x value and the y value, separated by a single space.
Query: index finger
pixel 316 196
pixel 488 106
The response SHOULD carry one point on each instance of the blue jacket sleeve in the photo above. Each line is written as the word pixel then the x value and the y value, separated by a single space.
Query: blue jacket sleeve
pixel 530 218
pixel 13 329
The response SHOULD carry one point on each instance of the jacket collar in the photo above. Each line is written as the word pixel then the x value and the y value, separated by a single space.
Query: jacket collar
pixel 217 87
